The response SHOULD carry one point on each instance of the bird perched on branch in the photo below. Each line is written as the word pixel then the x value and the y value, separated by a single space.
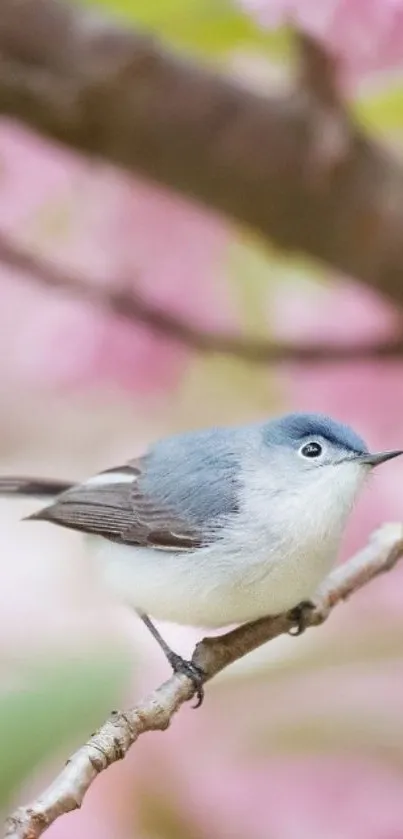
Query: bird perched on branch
pixel 219 526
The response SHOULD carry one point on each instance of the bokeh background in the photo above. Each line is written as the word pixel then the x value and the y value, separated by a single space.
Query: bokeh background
pixel 303 739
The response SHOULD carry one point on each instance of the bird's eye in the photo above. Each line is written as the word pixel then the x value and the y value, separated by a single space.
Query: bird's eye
pixel 312 449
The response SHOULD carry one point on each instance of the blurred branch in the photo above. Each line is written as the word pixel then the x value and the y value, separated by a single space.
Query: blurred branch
pixel 129 304
pixel 113 740
pixel 291 164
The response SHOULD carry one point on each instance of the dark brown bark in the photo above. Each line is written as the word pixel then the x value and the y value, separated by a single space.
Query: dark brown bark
pixel 124 301
pixel 291 164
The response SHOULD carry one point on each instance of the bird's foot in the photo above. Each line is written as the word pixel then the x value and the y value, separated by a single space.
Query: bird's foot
pixel 192 671
pixel 300 615
pixel 178 664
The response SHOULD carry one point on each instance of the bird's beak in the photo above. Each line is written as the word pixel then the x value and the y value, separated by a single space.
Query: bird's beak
pixel 377 458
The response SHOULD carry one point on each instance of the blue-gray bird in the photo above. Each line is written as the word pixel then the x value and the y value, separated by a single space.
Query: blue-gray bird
pixel 218 526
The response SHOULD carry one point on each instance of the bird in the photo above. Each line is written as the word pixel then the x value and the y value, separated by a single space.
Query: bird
pixel 217 526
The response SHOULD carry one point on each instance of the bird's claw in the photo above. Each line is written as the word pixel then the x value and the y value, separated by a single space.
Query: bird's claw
pixel 193 672
pixel 299 614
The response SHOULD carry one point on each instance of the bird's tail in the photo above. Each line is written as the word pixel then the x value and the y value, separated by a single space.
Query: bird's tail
pixel 32 487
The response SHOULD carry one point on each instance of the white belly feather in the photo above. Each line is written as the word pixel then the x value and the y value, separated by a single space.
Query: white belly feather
pixel 213 587
pixel 263 564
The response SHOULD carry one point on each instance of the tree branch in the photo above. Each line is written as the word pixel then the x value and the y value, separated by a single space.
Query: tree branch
pixel 114 739
pixel 291 164
pixel 130 305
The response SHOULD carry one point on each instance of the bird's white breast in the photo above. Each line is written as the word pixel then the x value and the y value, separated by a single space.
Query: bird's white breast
pixel 265 562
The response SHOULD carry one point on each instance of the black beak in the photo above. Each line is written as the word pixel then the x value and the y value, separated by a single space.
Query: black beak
pixel 375 459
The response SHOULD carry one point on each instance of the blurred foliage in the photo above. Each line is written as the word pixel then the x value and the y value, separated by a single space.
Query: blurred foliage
pixel 380 110
pixel 211 27
pixel 336 726
pixel 160 818
pixel 232 387
pixel 368 732
pixel 56 704
pixel 367 646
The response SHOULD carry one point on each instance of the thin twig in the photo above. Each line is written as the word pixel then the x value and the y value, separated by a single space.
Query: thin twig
pixel 114 739
pixel 130 305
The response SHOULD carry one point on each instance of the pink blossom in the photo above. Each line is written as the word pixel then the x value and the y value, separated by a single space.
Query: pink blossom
pixel 106 228
pixel 367 34
pixel 305 798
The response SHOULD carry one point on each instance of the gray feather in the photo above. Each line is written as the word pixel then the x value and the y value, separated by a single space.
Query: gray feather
pixel 181 495
pixel 197 474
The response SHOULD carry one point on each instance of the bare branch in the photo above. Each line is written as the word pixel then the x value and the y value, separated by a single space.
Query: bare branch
pixel 130 305
pixel 292 164
pixel 114 739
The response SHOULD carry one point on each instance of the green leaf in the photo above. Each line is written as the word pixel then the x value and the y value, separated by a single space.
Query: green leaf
pixel 212 27
pixel 54 706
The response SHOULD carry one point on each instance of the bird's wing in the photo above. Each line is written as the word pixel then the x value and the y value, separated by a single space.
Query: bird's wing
pixel 114 505
pixel 178 496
